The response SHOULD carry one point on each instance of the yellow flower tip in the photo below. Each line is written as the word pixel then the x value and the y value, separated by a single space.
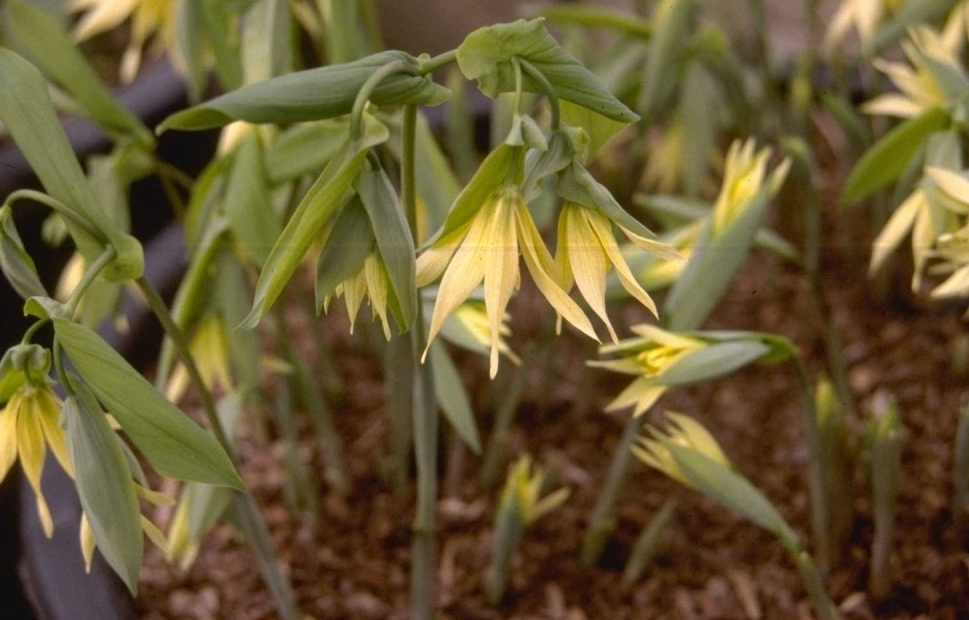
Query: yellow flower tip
pixel 88 543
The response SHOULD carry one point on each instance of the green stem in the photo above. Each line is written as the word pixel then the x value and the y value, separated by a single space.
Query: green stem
pixel 425 425
pixel 366 91
pixel 62 209
pixel 435 63
pixel 498 440
pixel 547 90
pixel 603 520
pixel 820 511
pixel 247 513
pixel 90 274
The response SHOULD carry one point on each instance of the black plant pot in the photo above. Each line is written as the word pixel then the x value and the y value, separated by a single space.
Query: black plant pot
pixel 50 573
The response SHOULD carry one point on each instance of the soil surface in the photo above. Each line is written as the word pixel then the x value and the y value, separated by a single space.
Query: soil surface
pixel 353 562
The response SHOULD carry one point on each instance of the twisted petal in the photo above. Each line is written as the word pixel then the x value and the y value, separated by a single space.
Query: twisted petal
pixel 30 442
pixel 8 440
pixel 501 273
pixel 546 274
pixel 588 261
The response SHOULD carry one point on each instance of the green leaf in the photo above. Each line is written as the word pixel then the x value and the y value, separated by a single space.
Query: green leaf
pixel 885 161
pixel 46 42
pixel 597 17
pixel 310 95
pixel 266 40
pixel 712 266
pixel 671 23
pixel 329 192
pixel 176 446
pixel 345 250
pixel 304 149
pixel 578 186
pixel 452 397
pixel 600 129
pixel 394 242
pixel 910 14
pixel 15 262
pixel 44 307
pixel 712 362
pixel 248 204
pixel 730 489
pixel 486 56
pixel 28 114
pixel 104 484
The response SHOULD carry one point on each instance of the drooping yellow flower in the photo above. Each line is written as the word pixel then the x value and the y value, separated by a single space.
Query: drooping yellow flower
pixel 484 247
pixel 210 350
pixel 149 18
pixel 468 327
pixel 29 423
pixel 587 250
pixel 649 356
pixel 919 89
pixel 683 431
pixel 371 281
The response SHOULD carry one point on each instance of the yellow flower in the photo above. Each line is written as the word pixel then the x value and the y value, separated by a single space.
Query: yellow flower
pixel 210 350
pixel 587 249
pixel 683 431
pixel 920 91
pixel 484 246
pixel 863 15
pixel 468 327
pixel 744 177
pixel 148 18
pixel 650 355
pixel 29 423
pixel 89 544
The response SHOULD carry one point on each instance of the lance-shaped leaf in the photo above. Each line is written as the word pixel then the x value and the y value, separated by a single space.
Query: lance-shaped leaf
pixel 452 397
pixel 104 484
pixel 28 114
pixel 330 191
pixel 885 161
pixel 394 242
pixel 47 43
pixel 670 27
pixel 713 264
pixel 722 484
pixel 267 40
pixel 486 56
pixel 17 264
pixel 304 149
pixel 176 446
pixel 310 95
pixel 713 361
pixel 248 204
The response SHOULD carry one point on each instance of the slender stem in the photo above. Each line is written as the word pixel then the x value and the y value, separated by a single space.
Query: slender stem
pixel 603 518
pixel 247 513
pixel 366 91
pixel 62 209
pixel 820 511
pixel 90 274
pixel 438 61
pixel 547 90
pixel 423 549
pixel 32 330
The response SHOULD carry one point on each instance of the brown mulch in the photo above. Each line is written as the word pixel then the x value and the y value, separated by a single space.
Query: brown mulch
pixel 353 563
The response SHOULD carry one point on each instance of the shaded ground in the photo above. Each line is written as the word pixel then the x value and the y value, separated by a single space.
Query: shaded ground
pixel 353 564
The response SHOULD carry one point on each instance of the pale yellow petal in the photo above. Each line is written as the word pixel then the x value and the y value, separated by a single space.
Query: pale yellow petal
pixel 893 105
pixel 154 534
pixel 377 288
pixel 435 259
pixel 102 17
pixel 8 440
pixel 501 271
pixel 588 260
pixel 47 409
pixel 465 272
pixel 354 290
pixel 603 230
pixel 898 225
pixel 950 182
pixel 33 450
pixel 544 273
pixel 665 338
pixel 88 544
pixel 956 285
pixel 153 497
pixel 641 394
